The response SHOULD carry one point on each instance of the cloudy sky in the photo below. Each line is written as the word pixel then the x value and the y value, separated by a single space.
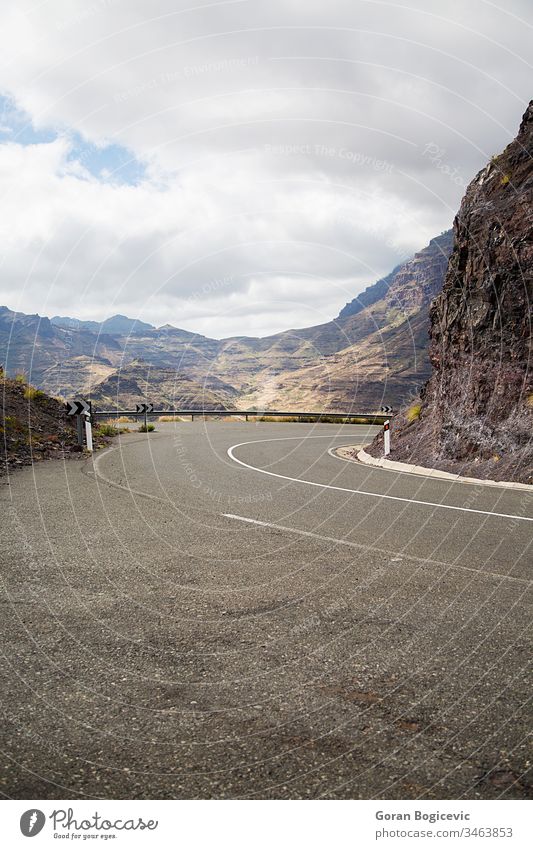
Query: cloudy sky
pixel 246 166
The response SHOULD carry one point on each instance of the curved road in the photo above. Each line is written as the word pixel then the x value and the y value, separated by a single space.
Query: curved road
pixel 224 609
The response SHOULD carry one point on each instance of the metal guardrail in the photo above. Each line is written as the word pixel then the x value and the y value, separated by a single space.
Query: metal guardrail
pixel 377 418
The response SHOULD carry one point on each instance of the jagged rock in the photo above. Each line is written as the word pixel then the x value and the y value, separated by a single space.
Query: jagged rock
pixel 476 413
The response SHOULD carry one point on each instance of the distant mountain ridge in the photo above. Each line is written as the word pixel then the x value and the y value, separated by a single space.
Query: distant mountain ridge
pixel 369 296
pixel 374 352
pixel 117 324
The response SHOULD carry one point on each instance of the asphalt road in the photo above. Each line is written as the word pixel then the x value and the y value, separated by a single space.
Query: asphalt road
pixel 180 622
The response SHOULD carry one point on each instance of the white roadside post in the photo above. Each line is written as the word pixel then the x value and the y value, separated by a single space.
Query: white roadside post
pixel 386 437
pixel 88 432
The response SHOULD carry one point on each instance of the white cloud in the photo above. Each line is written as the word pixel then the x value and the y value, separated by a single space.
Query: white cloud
pixel 283 143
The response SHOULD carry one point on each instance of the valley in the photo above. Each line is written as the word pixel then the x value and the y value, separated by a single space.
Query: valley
pixel 373 352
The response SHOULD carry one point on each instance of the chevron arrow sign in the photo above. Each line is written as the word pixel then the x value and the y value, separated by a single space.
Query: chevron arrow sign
pixel 385 409
pixel 78 408
pixel 145 408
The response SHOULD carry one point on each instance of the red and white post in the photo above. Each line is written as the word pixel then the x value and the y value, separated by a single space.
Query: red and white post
pixel 386 437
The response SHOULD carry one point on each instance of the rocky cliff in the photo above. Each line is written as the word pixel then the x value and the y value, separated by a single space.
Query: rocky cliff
pixel 476 412
pixel 411 283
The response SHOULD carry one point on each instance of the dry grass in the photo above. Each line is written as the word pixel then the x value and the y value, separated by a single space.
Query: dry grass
pixel 325 419
pixel 33 394
pixel 112 427
pixel 170 419
pixel 274 418
pixel 413 413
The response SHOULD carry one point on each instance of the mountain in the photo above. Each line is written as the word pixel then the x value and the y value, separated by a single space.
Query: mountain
pixel 117 324
pixel 370 296
pixel 373 352
pixel 476 411
pixel 31 344
pixel 166 388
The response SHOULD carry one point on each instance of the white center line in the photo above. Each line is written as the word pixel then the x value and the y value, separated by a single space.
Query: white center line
pixel 336 541
pixel 364 492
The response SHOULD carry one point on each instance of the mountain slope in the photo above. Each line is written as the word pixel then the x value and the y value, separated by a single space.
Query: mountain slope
pixel 379 353
pixel 165 388
pixel 374 351
pixel 31 344
pixel 476 414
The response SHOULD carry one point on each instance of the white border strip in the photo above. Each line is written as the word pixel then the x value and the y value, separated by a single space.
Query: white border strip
pixel 364 492
pixel 434 474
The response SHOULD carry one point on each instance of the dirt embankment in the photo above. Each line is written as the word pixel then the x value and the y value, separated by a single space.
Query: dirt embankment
pixel 33 426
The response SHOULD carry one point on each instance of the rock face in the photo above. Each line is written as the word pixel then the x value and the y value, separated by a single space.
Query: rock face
pixel 410 284
pixel 476 411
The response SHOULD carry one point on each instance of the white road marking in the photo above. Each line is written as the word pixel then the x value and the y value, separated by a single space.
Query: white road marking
pixel 235 459
pixel 336 541
pixel 294 531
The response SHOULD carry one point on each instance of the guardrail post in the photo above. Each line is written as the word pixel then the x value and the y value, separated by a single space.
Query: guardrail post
pixel 79 428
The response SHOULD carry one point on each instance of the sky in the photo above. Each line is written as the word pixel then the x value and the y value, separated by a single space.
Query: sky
pixel 241 167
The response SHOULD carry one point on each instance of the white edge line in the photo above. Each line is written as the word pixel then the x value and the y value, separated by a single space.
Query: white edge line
pixel 360 491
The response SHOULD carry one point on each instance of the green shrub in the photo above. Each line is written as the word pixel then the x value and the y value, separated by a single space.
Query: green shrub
pixel 146 428
pixel 20 378
pixel 106 429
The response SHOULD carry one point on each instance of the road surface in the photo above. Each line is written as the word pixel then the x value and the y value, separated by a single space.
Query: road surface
pixel 226 610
